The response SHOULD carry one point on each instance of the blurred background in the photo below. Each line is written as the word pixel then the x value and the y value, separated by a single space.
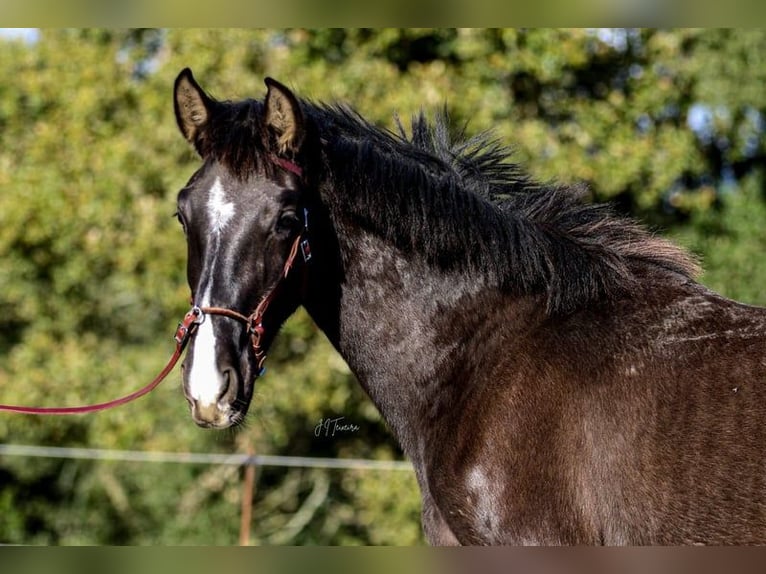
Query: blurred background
pixel 666 124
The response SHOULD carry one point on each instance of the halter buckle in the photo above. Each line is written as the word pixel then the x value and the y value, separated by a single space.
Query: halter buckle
pixel 305 245
pixel 193 317
pixel 306 250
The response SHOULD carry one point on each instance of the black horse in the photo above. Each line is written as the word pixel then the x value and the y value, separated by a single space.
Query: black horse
pixel 554 372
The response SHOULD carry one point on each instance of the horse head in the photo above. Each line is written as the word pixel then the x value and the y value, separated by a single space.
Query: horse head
pixel 243 213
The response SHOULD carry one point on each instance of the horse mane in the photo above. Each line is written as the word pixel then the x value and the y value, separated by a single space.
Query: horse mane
pixel 461 203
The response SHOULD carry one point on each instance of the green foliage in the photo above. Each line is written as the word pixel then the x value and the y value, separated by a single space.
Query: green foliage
pixel 731 241
pixel 93 280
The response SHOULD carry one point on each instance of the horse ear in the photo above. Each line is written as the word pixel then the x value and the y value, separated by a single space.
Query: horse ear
pixel 284 118
pixel 192 107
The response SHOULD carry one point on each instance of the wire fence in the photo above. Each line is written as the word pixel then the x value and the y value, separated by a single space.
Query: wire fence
pixel 245 460
pixel 201 458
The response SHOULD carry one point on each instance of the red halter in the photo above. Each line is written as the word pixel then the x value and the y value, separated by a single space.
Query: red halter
pixel 254 321
pixel 194 317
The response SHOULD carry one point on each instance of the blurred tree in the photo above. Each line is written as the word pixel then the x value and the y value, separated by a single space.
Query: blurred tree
pixel 667 123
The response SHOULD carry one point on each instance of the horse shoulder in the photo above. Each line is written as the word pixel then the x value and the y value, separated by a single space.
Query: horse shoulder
pixel 578 413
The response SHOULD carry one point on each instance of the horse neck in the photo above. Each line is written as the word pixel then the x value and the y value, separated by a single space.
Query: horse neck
pixel 406 330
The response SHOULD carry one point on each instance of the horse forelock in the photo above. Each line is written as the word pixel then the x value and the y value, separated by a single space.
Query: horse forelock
pixel 235 138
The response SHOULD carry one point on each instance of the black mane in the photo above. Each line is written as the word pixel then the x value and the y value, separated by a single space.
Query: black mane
pixel 462 204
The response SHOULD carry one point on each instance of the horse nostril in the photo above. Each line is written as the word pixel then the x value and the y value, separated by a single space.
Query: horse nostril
pixel 229 386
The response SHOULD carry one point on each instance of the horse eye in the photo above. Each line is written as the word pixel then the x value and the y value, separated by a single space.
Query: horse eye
pixel 287 221
pixel 180 219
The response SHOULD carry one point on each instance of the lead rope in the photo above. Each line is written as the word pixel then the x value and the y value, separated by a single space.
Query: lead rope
pixel 194 317
pixel 183 332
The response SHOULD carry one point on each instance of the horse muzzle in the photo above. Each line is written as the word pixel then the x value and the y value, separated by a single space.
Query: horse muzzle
pixel 212 382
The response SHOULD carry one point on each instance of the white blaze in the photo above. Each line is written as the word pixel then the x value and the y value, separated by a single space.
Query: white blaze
pixel 205 379
pixel 219 210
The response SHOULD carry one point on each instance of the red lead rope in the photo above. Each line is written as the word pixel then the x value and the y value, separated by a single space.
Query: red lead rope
pixel 184 331
pixel 194 317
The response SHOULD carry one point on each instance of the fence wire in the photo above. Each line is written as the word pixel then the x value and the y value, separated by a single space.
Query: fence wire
pixel 201 458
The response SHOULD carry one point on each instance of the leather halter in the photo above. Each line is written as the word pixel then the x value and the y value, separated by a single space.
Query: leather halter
pixel 254 322
pixel 193 318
